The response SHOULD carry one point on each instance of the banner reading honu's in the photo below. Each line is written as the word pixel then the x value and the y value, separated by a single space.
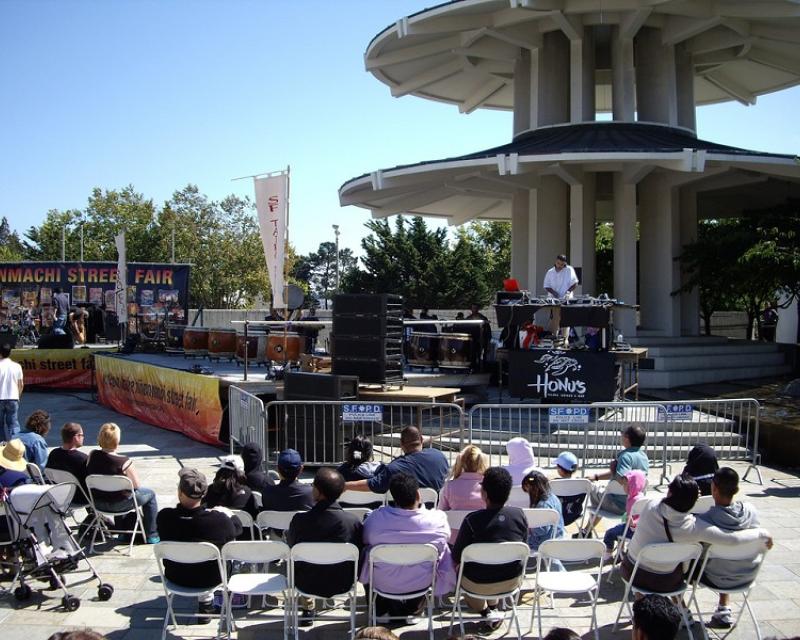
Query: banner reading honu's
pixel 175 400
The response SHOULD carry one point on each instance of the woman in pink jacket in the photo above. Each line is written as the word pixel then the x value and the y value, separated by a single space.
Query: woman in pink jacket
pixel 463 490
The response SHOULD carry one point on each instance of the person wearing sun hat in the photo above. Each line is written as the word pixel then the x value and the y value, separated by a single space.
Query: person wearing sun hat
pixel 12 464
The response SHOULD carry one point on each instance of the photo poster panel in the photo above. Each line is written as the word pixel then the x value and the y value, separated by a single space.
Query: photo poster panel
pixel 154 289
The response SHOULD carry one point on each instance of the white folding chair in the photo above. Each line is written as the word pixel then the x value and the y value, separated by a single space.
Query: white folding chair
pixel 35 473
pixel 570 582
pixel 361 512
pixel 258 500
pixel 256 553
pixel 455 517
pixel 703 504
pixel 58 476
pixel 569 487
pixel 613 488
pixel 518 498
pixel 622 544
pixel 753 552
pixel 361 498
pixel 248 523
pixel 188 553
pixel 323 553
pixel 662 554
pixel 540 518
pixel 403 555
pixel 96 483
pixel 491 553
pixel 429 496
pixel 275 521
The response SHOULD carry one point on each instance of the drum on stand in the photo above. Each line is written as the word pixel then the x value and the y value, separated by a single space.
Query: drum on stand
pixel 256 346
pixel 222 343
pixel 284 347
pixel 175 337
pixel 455 351
pixel 423 349
pixel 195 341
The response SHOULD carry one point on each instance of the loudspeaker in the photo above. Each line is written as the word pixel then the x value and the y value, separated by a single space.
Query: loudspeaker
pixel 367 325
pixel 319 386
pixel 378 371
pixel 368 303
pixel 54 341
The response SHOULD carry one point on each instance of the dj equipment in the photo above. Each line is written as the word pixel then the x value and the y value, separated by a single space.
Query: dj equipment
pixel 54 341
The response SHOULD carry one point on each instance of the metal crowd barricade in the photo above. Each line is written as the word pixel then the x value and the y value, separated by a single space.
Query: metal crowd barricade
pixel 321 430
pixel 246 420
pixel 590 431
pixel 730 426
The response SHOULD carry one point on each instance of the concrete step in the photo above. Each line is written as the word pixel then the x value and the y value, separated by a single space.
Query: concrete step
pixel 654 340
pixel 658 379
pixel 734 348
pixel 719 361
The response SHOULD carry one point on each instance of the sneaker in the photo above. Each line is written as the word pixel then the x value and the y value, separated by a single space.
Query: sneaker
pixel 608 556
pixel 383 618
pixel 492 618
pixel 306 618
pixel 153 540
pixel 722 619
pixel 204 608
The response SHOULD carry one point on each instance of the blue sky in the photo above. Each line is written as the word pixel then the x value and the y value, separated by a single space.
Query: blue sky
pixel 159 94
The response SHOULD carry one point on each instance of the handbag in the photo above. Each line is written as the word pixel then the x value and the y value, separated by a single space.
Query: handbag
pixel 651 580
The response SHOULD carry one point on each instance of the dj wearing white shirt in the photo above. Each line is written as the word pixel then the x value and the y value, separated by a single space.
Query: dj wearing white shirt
pixel 560 282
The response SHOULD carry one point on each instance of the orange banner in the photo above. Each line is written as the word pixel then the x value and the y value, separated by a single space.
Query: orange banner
pixel 168 398
pixel 56 368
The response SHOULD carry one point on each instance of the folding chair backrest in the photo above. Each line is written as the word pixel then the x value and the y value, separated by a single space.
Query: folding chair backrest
pixel 541 517
pixel 518 498
pixel 614 488
pixel 456 517
pixel 324 552
pixel 662 553
pixel 579 550
pixel 275 519
pixel 429 496
pixel 493 553
pixel 639 506
pixel 255 551
pixel 97 482
pixel 403 554
pixel 703 504
pixel 362 497
pixel 258 499
pixel 57 476
pixel 187 552
pixel 274 476
pixel 35 473
pixel 245 518
pixel 753 550
pixel 361 512
pixel 565 487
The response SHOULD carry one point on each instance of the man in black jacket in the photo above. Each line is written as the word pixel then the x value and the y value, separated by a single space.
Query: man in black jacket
pixel 325 522
pixel 289 494
pixel 190 521
pixel 495 523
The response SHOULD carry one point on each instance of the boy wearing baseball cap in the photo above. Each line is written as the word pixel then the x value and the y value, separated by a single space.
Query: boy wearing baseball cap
pixel 571 506
pixel 288 494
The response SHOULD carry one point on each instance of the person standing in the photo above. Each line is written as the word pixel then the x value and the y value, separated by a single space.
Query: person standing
pixel 11 384
pixel 560 282
pixel 61 303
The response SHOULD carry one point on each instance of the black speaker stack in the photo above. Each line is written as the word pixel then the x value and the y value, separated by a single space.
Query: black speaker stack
pixel 367 337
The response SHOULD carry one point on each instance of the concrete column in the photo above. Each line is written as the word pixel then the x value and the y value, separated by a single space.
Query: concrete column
pixel 582 214
pixel 552 94
pixel 625 252
pixel 623 94
pixel 581 85
pixel 656 99
pixel 547 228
pixel 520 214
pixel 684 82
pixel 658 246
pixel 522 92
pixel 690 301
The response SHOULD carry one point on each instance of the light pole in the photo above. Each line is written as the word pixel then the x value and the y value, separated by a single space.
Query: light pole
pixel 336 233
pixel 81 239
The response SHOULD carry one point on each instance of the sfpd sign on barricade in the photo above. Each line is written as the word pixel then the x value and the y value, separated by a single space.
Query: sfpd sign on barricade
pixel 679 411
pixel 569 415
pixel 362 412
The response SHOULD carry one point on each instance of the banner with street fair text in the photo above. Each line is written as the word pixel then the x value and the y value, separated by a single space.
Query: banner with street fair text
pixel 175 400
pixel 271 204
pixel 55 368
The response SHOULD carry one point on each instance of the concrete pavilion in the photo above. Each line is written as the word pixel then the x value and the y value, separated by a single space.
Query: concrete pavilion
pixel 557 64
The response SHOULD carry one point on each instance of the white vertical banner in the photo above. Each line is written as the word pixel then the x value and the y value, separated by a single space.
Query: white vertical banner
pixel 272 206
pixel 121 288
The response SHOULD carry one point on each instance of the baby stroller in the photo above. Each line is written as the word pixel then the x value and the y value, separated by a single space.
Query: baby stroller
pixel 40 544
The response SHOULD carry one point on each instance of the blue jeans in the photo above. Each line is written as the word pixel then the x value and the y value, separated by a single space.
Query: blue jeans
pixel 147 501
pixel 613 534
pixel 8 418
pixel 59 324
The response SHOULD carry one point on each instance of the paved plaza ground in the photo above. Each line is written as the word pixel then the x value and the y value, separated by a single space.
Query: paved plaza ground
pixel 136 610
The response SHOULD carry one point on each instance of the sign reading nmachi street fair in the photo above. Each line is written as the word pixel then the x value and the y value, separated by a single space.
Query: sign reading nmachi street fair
pixel 573 376
pixel 568 415
pixel 56 368
pixel 362 412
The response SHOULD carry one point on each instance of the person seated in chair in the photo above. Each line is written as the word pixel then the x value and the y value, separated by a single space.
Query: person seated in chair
pixel 495 523
pixel 69 457
pixel 107 462
pixel 190 521
pixel 655 618
pixel 37 427
pixel 407 523
pixel 325 522
pixel 289 494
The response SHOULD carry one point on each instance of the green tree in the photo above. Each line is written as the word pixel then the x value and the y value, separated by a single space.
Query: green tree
pixel 11 247
pixel 318 271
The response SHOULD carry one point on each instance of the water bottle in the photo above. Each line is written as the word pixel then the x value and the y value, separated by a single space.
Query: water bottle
pixel 620 339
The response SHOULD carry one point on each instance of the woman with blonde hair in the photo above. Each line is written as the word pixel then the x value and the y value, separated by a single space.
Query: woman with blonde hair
pixel 107 462
pixel 463 490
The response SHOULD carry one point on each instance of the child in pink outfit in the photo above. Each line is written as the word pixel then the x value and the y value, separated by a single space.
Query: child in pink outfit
pixel 634 483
